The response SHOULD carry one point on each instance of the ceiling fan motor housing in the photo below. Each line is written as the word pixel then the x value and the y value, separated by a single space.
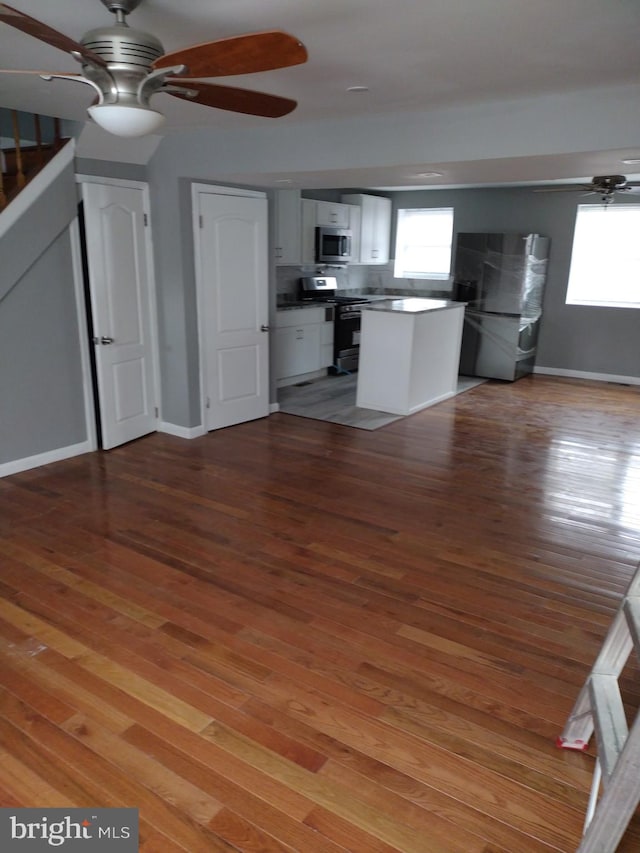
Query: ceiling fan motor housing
pixel 129 54
pixel 609 182
pixel 123 47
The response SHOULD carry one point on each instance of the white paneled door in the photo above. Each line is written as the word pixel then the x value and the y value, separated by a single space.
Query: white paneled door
pixel 232 271
pixel 119 260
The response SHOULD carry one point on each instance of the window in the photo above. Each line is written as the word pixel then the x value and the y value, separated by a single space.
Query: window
pixel 423 243
pixel 605 261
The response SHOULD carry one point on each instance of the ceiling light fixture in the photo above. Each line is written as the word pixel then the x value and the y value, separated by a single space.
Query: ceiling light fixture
pixel 129 121
pixel 357 89
pixel 632 161
pixel 427 175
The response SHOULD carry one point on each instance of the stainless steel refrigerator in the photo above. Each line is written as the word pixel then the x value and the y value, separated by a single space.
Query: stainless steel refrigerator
pixel 501 277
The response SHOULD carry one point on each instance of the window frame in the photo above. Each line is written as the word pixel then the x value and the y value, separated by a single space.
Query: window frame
pixel 585 246
pixel 399 270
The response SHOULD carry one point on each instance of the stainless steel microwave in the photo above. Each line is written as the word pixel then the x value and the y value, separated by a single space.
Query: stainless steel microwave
pixel 333 245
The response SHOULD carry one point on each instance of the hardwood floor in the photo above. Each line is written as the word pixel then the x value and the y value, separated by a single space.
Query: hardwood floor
pixel 290 635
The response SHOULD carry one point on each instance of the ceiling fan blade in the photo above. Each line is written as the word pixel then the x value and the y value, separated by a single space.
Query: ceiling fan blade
pixel 39 73
pixel 33 27
pixel 572 189
pixel 237 55
pixel 232 99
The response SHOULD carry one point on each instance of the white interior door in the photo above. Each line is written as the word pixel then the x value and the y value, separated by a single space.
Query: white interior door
pixel 119 261
pixel 232 269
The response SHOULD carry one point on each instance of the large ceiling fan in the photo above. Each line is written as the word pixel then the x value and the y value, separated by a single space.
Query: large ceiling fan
pixel 606 186
pixel 126 67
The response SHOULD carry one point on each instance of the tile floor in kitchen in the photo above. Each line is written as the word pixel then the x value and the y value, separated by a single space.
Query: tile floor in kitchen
pixel 333 398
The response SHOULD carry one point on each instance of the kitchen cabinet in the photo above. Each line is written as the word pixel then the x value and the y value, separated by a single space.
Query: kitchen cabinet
pixel 303 342
pixel 308 229
pixel 287 230
pixel 332 213
pixel 375 227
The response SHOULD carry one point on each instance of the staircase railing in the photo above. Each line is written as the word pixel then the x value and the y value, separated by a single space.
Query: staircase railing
pixel 27 143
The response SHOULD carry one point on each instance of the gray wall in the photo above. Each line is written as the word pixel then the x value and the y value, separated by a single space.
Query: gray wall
pixel 572 337
pixel 257 154
pixel 171 173
pixel 41 392
pixel 111 169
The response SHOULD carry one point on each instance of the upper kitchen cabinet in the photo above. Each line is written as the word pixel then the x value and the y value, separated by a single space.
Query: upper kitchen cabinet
pixel 308 238
pixel 375 227
pixel 287 233
pixel 332 213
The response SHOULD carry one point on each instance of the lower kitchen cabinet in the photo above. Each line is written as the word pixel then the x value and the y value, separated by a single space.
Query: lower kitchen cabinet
pixel 303 342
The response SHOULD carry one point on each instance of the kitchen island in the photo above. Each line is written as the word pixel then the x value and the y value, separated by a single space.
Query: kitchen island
pixel 409 354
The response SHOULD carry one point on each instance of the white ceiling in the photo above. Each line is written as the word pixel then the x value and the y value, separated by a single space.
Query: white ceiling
pixel 415 56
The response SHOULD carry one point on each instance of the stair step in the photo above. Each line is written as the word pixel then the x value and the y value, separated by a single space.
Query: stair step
pixel 609 720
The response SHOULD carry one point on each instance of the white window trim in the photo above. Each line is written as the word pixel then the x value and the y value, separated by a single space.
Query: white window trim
pixel 584 245
pixel 398 270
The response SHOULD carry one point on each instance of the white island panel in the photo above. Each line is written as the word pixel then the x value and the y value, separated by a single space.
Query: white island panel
pixel 409 354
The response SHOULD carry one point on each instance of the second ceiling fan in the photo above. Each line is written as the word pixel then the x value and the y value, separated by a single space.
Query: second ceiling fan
pixel 606 186
pixel 126 67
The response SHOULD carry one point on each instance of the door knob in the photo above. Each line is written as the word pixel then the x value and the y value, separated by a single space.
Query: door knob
pixel 264 328
pixel 105 341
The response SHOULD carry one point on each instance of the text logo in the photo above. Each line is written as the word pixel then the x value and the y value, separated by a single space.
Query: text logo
pixel 69 830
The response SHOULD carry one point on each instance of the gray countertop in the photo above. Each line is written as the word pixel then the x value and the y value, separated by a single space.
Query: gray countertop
pixel 412 305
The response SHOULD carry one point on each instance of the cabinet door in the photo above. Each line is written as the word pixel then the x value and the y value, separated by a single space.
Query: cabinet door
pixel 381 230
pixel 298 349
pixel 332 213
pixel 308 241
pixel 288 244
pixel 355 226
pixel 326 344
pixel 376 228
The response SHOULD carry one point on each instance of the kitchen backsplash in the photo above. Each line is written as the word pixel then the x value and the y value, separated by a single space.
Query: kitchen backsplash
pixel 362 280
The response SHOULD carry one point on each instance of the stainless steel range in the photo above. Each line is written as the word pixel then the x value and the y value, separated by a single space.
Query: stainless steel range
pixel 346 328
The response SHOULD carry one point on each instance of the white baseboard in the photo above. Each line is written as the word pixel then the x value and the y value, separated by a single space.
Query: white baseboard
pixel 180 431
pixel 274 407
pixel 583 374
pixel 15 467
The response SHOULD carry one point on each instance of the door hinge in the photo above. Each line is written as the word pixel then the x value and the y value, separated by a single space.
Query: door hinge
pixel 157 412
pixel 201 220
pixel 146 220
pixel 208 402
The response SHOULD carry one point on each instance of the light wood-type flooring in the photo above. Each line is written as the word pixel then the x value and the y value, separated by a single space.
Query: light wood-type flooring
pixel 333 398
pixel 291 635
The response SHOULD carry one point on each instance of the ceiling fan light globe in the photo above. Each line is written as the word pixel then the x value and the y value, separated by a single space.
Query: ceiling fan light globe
pixel 128 121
